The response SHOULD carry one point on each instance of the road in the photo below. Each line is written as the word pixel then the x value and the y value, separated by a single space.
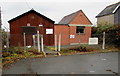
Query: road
pixel 100 63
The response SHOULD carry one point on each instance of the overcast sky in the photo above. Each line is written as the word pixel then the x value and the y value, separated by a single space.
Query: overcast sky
pixel 53 9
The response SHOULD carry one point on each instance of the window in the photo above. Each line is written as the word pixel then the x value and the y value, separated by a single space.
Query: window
pixel 29 30
pixel 80 29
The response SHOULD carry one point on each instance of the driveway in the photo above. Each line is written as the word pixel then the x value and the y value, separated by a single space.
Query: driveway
pixel 100 63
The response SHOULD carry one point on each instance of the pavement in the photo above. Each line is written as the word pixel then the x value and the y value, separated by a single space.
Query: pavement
pixel 99 63
pixel 48 51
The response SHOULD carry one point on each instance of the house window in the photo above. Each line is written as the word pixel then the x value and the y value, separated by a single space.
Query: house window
pixel 80 29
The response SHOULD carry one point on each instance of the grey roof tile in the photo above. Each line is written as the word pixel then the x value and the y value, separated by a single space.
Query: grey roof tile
pixel 108 10
pixel 67 19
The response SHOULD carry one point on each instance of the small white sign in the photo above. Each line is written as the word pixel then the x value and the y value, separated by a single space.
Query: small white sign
pixel 72 36
pixel 93 41
pixel 40 25
pixel 28 24
pixel 49 31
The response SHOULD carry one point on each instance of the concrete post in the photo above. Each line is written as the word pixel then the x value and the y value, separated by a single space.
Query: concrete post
pixel 55 42
pixel 38 41
pixel 24 41
pixel 34 41
pixel 42 45
pixel 79 37
pixel 59 42
pixel 103 46
pixel 7 39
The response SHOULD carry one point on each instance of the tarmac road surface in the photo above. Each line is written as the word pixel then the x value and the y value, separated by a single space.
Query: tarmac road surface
pixel 99 63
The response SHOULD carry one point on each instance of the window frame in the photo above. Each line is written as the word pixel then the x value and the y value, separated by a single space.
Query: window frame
pixel 80 27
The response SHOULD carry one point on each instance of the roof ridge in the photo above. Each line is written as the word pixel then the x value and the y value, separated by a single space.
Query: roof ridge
pixel 68 18
pixel 71 17
pixel 113 4
pixel 72 13
pixel 76 13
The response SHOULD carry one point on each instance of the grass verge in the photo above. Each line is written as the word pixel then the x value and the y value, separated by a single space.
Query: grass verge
pixel 87 50
pixel 12 55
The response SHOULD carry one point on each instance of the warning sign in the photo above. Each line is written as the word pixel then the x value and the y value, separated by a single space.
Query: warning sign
pixel 49 31
pixel 93 41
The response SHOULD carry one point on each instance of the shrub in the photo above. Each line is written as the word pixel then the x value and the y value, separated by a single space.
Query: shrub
pixel 6 54
pixel 112 34
pixel 34 52
pixel 15 50
pixel 82 49
pixel 65 50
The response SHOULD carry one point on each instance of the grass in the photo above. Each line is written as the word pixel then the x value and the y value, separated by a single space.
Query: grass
pixel 51 48
pixel 16 53
pixel 87 50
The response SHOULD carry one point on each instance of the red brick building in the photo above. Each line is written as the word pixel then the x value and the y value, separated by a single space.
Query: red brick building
pixel 74 28
pixel 28 20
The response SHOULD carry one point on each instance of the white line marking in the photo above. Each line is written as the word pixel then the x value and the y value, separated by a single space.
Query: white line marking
pixel 91 71
pixel 103 59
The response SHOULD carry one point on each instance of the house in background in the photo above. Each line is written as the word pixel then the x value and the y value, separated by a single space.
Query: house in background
pixel 74 29
pixel 29 23
pixel 110 15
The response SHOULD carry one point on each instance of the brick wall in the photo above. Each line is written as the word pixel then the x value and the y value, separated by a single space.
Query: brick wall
pixel 66 31
pixel 16 37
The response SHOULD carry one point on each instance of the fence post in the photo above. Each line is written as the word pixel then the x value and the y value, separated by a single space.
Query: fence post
pixel 59 42
pixel 103 46
pixel 79 37
pixel 7 40
pixel 55 42
pixel 42 45
pixel 38 41
pixel 34 41
pixel 24 41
